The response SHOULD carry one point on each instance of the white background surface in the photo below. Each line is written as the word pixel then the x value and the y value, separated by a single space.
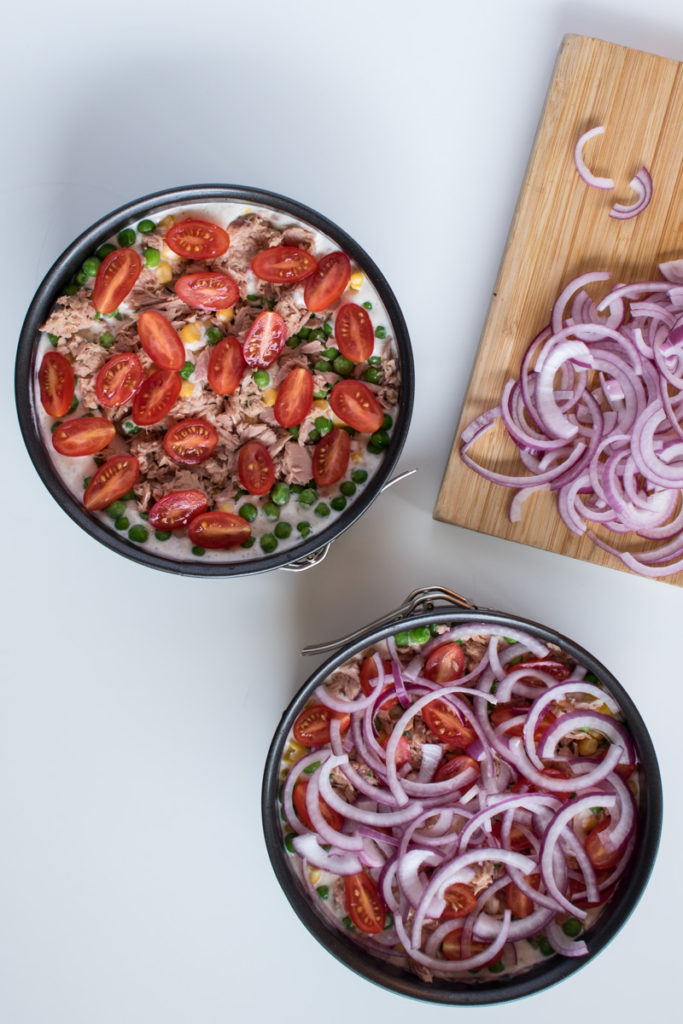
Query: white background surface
pixel 136 708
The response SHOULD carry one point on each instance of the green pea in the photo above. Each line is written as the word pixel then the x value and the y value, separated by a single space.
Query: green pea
pixel 497 968
pixel 126 238
pixel 86 480
pixel 419 635
pixel 268 543
pixel 239 493
pixel 116 509
pixel 248 543
pixel 314 436
pixel 305 333
pixel 152 257
pixel 389 923
pixel 327 328
pixel 104 250
pixel 122 523
pixel 57 423
pixel 338 504
pixel 293 342
pixel 348 923
pixel 81 277
pixel 146 227
pixel 323 891
pixel 70 289
pixel 348 489
pixel 294 431
pixel 378 441
pixel 572 927
pixel 323 425
pixel 283 530
pixel 74 404
pixel 402 639
pixel 342 366
pixel 323 366
pixel 380 332
pixel 53 340
pixel 321 509
pixel 330 353
pixel 130 428
pixel 387 422
pixel 280 494
pixel 253 298
pixel 248 512
pixel 198 551
pixel 187 370
pixel 307 496
pixel 321 393
pixel 359 476
pixel 372 375
pixel 261 378
pixel 367 305
pixel 91 266
pixel 271 511
pixel 545 947
pixel 318 334
pixel 296 488
pixel 213 335
pixel 304 528
pixel 138 533
pixel 288 843
pixel 162 534
pixel 375 361
pixel 591 677
pixel 107 339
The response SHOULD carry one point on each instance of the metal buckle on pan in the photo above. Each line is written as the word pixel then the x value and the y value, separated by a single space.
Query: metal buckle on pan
pixel 424 599
pixel 316 557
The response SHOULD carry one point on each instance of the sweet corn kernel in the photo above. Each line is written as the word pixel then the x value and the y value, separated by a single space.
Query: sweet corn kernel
pixel 167 222
pixel 269 396
pixel 320 403
pixel 336 421
pixel 587 746
pixel 293 752
pixel 356 456
pixel 226 316
pixel 168 253
pixel 315 874
pixel 227 506
pixel 164 272
pixel 187 389
pixel 191 333
pixel 604 710
pixel 356 281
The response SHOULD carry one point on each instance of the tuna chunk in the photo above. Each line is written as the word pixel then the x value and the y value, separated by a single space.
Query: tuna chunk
pixel 72 313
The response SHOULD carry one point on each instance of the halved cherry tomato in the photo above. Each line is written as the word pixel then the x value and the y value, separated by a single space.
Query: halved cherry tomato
pixel 226 366
pixel 197 239
pixel 118 380
pixel 555 668
pixel 364 903
pixel 326 285
pixel 519 903
pixel 265 339
pixel 518 841
pixel 207 290
pixel 294 397
pixel 504 712
pixel 368 673
pixel 445 663
pixel 111 481
pixel 57 384
pixel 599 856
pixel 524 786
pixel 190 441
pixel 116 275
pixel 454 766
pixel 161 341
pixel 332 817
pixel 354 403
pixel 218 530
pixel 402 749
pixel 577 885
pixel 353 332
pixel 460 901
pixel 155 397
pixel 331 457
pixel 312 726
pixel 83 436
pixel 454 948
pixel 255 468
pixel 445 723
pixel 283 264
pixel 176 509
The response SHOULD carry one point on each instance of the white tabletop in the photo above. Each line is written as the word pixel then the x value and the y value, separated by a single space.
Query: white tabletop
pixel 136 708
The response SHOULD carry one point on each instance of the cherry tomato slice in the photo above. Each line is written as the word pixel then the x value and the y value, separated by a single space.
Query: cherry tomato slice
pixel 84 436
pixel 331 457
pixel 453 948
pixel 118 380
pixel 111 481
pixel 600 857
pixel 176 509
pixel 197 239
pixel 518 902
pixel 332 817
pixel 445 723
pixel 353 332
pixel 255 468
pixel 218 530
pixel 226 366
pixel 283 264
pixel 460 901
pixel 504 712
pixel 454 766
pixel 161 341
pixel 445 663
pixel 364 903
pixel 558 669
pixel 355 404
pixel 265 339
pixel 155 397
pixel 327 284
pixel 190 441
pixel 116 275
pixel 368 673
pixel 207 290
pixel 312 726
pixel 57 384
pixel 294 397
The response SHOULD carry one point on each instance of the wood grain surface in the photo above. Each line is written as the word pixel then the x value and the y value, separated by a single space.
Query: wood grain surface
pixel 561 229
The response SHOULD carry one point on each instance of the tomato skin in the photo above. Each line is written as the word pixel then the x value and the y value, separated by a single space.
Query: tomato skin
pixel 460 901
pixel 116 275
pixel 403 748
pixel 364 903
pixel 445 723
pixel 57 384
pixel 155 397
pixel 265 340
pixel 332 817
pixel 161 341
pixel 368 673
pixel 453 949
pixel 255 468
pixel 190 442
pixel 353 332
pixel 312 726
pixel 558 669
pixel 354 403
pixel 445 664
pixel 601 858
pixel 294 397
pixel 111 481
pixel 118 380
pixel 197 239
pixel 504 712
pixel 207 290
pixel 226 366
pixel 518 902
pixel 84 436
pixel 283 264
pixel 328 282
pixel 216 530
pixel 175 509
pixel 454 766
pixel 331 457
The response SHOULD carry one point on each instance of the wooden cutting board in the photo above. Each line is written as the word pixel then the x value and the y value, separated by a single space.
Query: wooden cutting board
pixel 561 229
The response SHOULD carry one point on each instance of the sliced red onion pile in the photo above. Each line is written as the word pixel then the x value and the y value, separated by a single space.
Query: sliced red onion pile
pixel 641 184
pixel 597 417
pixel 460 809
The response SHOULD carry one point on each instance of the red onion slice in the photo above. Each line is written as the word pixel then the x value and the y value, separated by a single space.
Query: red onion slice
pixel 587 176
pixel 641 184
pixel 307 846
